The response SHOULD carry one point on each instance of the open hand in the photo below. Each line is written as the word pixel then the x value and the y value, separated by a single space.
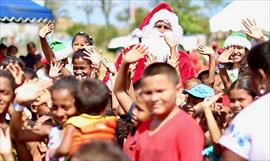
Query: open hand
pixel 108 63
pixel 45 30
pixel 207 103
pixel 173 60
pixel 135 54
pixel 170 42
pixel 44 97
pixel 224 58
pixel 150 59
pixel 92 55
pixel 17 73
pixel 28 92
pixel 205 50
pixel 55 69
pixel 252 30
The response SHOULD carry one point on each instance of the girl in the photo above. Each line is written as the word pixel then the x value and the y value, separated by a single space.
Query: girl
pixel 63 106
pixel 236 48
pixel 247 138
pixel 90 123
pixel 241 94
pixel 83 66
pixel 80 41
pixel 7 88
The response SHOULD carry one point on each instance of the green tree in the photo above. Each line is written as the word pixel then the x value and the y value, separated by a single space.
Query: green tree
pixel 54 7
pixel 193 17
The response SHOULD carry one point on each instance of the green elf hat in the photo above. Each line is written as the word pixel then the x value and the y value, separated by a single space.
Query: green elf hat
pixel 237 38
pixel 60 49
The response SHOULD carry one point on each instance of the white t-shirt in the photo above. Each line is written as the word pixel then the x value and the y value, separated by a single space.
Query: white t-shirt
pixel 249 133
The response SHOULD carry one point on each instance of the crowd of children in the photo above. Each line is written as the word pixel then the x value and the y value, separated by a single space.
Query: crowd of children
pixel 149 106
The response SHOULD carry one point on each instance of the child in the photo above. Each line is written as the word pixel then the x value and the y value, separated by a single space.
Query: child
pixel 247 138
pixel 170 134
pixel 196 95
pixel 63 106
pixel 90 123
pixel 7 88
pixel 241 94
pixel 236 48
pixel 133 106
pixel 99 151
pixel 83 67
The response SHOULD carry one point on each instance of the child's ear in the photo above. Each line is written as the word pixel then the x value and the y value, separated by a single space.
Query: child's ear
pixel 33 108
pixel 179 88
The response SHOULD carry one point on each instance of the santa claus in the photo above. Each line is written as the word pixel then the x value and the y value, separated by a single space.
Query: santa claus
pixel 161 33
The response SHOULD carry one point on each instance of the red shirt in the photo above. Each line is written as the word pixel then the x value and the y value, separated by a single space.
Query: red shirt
pixel 180 139
pixel 185 67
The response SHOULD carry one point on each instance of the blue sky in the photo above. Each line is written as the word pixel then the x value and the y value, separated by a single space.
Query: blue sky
pixel 78 15
pixel 97 16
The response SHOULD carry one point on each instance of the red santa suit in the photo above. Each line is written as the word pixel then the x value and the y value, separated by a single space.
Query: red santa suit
pixel 185 66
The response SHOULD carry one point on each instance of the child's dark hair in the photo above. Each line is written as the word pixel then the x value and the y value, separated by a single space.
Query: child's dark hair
pixel 31 44
pixel 88 38
pixel 13 60
pixel 162 68
pixel 30 73
pixel 99 150
pixel 92 97
pixel 243 82
pixel 259 57
pixel 8 75
pixel 66 82
pixel 203 76
pixel 79 55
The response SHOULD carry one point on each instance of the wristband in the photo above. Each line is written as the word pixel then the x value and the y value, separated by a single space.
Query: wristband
pixel 18 107
pixel 223 66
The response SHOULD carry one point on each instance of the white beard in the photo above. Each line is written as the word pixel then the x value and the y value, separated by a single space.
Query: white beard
pixel 156 44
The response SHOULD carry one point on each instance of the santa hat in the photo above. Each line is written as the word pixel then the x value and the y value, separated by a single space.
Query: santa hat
pixel 237 38
pixel 165 13
pixel 60 49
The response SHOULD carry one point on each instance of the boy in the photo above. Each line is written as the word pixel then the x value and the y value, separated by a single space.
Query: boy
pixel 170 134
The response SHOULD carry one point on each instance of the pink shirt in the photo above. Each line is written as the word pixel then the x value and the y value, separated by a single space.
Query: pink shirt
pixel 180 139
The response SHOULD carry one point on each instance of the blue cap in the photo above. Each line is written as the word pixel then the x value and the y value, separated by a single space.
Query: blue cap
pixel 200 91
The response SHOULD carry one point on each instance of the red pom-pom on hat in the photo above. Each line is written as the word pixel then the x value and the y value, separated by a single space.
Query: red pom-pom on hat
pixel 148 17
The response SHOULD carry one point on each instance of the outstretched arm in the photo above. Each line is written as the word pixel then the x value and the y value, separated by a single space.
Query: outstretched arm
pixel 212 64
pixel 43 32
pixel 132 56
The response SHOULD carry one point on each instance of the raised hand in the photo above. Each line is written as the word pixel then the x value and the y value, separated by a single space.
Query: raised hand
pixel 5 146
pixel 108 63
pixel 224 58
pixel 207 103
pixel 170 42
pixel 17 73
pixel 150 59
pixel 55 69
pixel 45 30
pixel 43 98
pixel 92 55
pixel 173 60
pixel 135 54
pixel 205 50
pixel 28 92
pixel 252 30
